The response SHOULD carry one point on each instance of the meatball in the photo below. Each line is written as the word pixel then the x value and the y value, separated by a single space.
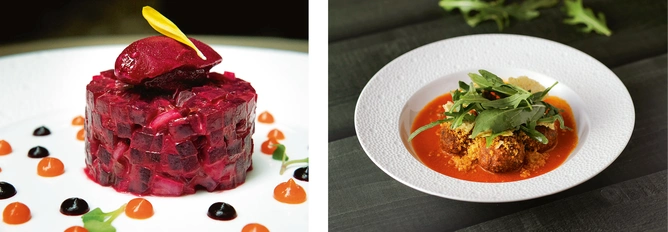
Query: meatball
pixel 453 141
pixel 506 153
pixel 534 145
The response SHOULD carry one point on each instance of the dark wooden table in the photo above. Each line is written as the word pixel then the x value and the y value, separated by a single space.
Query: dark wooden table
pixel 630 195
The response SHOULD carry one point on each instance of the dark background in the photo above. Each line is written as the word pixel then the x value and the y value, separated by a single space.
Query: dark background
pixel 24 21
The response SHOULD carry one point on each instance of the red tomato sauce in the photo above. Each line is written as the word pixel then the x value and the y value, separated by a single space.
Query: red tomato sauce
pixel 427 149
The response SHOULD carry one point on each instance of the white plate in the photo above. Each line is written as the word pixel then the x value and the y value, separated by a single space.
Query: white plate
pixel 602 107
pixel 48 88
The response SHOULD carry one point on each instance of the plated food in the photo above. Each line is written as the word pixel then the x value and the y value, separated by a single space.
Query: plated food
pixel 160 123
pixel 492 130
pixel 37 182
pixel 390 102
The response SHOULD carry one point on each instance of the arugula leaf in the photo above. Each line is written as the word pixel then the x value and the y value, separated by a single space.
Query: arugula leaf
pixel 538 96
pixel 514 109
pixel 476 11
pixel 528 9
pixel 509 102
pixel 279 153
pixel 586 16
pixel 533 133
pixel 426 127
pixel 463 85
pixel 497 120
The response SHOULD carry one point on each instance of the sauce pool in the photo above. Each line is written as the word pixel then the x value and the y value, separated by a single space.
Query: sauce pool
pixel 427 145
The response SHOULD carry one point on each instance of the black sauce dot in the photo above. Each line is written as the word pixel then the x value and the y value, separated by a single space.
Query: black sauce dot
pixel 38 152
pixel 301 174
pixel 41 131
pixel 221 211
pixel 74 206
pixel 7 190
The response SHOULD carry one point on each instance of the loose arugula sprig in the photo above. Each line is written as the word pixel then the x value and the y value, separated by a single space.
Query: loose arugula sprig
pixel 94 221
pixel 477 11
pixel 511 108
pixel 279 154
pixel 585 16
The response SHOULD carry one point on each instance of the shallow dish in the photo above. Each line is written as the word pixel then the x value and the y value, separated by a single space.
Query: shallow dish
pixel 602 107
pixel 47 88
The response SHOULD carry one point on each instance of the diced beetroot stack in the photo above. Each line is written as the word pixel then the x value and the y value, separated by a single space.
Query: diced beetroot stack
pixel 168 142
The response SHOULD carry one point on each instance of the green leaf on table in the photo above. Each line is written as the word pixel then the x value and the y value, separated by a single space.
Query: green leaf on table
pixel 477 11
pixel 580 15
pixel 528 9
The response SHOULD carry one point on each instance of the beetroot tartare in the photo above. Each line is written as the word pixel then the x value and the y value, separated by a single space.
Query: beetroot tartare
pixel 161 123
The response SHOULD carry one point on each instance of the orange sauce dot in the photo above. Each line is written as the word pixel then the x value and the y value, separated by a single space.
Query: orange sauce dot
pixel 276 134
pixel 50 167
pixel 254 227
pixel 16 213
pixel 268 146
pixel 81 134
pixel 265 117
pixel 78 121
pixel 290 192
pixel 5 148
pixel 76 229
pixel 139 208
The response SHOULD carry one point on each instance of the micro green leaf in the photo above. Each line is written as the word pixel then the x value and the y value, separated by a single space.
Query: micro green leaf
pixel 285 164
pixel 94 221
pixel 279 153
pixel 94 215
pixel 98 226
